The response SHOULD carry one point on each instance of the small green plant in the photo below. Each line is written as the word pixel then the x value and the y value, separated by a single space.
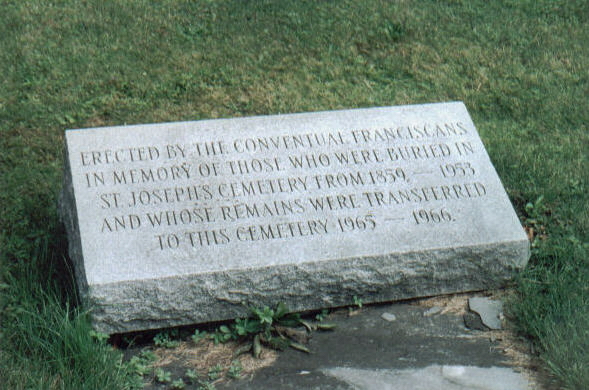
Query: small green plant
pixel 138 366
pixel 178 384
pixel 98 336
pixel 206 386
pixel 321 316
pixel 192 376
pixel 148 356
pixel 275 328
pixel 198 336
pixel 266 315
pixel 163 376
pixel 215 372
pixel 223 334
pixel 356 305
pixel 535 210
pixel 535 220
pixel 164 339
pixel 141 364
pixel 234 371
pixel 245 326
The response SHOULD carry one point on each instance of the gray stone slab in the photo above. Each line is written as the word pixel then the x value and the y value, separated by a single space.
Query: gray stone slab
pixel 190 222
pixel 490 311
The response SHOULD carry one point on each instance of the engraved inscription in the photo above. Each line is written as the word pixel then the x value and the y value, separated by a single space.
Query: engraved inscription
pixel 231 191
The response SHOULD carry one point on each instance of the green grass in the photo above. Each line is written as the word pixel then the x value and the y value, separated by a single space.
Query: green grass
pixel 519 65
pixel 47 343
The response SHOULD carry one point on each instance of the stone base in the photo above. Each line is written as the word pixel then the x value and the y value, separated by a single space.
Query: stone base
pixel 159 303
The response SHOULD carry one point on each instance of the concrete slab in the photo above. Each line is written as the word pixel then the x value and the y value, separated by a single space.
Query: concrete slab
pixel 432 377
pixel 414 352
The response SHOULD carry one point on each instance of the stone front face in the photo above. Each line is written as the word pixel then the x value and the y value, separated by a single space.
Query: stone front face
pixel 189 222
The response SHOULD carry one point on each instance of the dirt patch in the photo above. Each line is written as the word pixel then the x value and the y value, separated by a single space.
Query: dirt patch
pixel 452 304
pixel 521 357
pixel 206 355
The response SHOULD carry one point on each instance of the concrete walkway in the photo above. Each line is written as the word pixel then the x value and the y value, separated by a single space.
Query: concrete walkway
pixel 394 346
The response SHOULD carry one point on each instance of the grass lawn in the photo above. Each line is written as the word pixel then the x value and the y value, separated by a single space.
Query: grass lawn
pixel 520 66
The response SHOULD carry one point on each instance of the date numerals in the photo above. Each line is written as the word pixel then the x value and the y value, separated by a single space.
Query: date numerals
pixel 423 216
pixel 459 169
pixel 360 224
pixel 387 175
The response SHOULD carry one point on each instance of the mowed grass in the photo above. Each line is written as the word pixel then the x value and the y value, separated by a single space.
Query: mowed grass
pixel 520 66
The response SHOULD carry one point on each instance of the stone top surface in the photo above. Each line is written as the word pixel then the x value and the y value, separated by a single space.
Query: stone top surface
pixel 175 199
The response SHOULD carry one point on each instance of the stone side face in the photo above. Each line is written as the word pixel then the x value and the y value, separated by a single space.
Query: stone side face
pixel 181 223
pixel 68 215
pixel 158 303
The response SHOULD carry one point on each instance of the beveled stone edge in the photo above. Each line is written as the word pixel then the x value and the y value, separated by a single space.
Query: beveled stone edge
pixel 309 286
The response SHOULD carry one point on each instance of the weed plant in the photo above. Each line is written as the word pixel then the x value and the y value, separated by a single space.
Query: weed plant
pixel 519 65
pixel 276 328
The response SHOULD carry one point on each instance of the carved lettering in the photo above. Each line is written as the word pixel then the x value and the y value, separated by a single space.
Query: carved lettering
pixel 139 154
pixel 214 186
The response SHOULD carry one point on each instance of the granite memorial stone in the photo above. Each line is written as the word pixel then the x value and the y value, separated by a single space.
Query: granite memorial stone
pixel 190 222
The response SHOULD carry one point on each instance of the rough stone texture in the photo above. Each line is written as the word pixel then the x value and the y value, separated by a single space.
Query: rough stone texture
pixel 416 210
pixel 490 311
